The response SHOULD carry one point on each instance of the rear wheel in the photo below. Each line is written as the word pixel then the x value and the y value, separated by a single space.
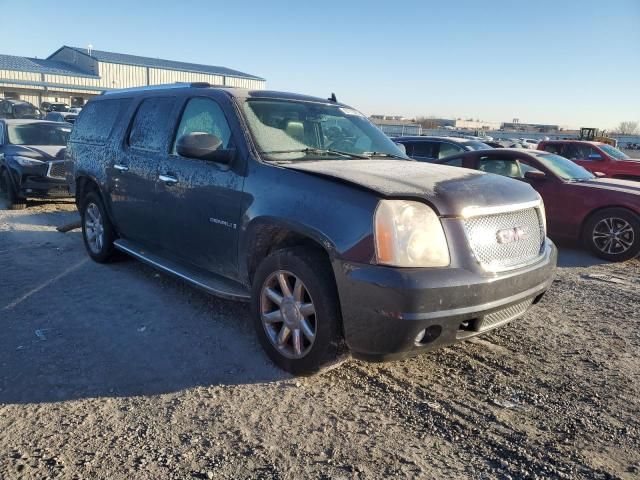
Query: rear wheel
pixel 296 312
pixel 613 234
pixel 97 231
pixel 9 193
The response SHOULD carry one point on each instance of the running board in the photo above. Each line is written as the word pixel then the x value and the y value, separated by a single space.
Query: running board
pixel 210 283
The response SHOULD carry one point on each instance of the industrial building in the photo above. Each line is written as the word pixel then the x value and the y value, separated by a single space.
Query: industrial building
pixel 73 75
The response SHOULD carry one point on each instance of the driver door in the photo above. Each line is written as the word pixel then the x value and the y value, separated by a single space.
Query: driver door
pixel 200 200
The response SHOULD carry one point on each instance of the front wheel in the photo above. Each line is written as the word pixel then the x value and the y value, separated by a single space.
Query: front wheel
pixel 613 234
pixel 296 312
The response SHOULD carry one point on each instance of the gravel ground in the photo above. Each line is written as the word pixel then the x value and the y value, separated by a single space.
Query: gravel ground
pixel 120 372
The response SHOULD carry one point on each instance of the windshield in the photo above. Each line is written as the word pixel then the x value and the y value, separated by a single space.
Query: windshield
pixel 25 110
pixel 565 169
pixel 295 130
pixel 477 146
pixel 38 134
pixel 614 152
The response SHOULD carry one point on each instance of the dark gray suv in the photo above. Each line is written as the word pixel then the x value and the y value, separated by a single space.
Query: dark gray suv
pixel 304 208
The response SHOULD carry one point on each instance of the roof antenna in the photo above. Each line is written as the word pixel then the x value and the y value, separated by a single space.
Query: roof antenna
pixel 333 98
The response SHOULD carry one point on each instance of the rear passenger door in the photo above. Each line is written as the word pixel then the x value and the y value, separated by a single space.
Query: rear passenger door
pixel 134 171
pixel 201 201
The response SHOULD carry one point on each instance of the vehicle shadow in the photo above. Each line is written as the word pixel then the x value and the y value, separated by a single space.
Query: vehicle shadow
pixel 571 255
pixel 75 329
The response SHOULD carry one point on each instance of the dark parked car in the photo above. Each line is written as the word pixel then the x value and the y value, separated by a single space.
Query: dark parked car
pixel 54 107
pixel 304 208
pixel 429 149
pixel 596 157
pixel 18 109
pixel 61 117
pixel 32 160
pixel 603 213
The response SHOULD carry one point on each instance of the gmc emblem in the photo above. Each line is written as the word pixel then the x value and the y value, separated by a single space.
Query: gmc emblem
pixel 510 235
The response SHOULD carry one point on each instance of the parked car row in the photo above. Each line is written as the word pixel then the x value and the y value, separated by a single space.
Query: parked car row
pixel 20 109
pixel 302 207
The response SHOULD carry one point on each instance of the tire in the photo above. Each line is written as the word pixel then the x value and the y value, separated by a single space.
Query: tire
pixel 8 191
pixel 613 234
pixel 318 289
pixel 97 231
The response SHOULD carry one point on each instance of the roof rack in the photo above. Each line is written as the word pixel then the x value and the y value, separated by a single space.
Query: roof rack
pixel 162 87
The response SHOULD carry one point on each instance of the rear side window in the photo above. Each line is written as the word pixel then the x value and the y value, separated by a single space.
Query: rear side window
pixel 96 121
pixel 552 148
pixel 425 149
pixel 150 127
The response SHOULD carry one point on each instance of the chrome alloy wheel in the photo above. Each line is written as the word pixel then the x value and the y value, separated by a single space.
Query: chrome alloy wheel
pixel 613 235
pixel 94 228
pixel 288 314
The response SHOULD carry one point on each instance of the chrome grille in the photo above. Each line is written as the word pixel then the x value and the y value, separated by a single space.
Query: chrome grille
pixel 502 316
pixel 56 170
pixel 483 236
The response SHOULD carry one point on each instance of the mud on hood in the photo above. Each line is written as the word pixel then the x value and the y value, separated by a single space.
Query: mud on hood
pixel 448 189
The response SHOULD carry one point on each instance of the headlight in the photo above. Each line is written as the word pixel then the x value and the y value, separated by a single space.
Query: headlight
pixel 409 234
pixel 27 162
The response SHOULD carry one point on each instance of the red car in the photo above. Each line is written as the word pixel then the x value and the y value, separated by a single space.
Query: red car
pixel 596 157
pixel 603 213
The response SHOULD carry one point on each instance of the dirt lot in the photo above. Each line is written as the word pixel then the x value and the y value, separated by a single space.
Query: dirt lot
pixel 120 372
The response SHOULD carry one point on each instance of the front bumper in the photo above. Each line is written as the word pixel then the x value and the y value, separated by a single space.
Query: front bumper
pixel 43 187
pixel 384 309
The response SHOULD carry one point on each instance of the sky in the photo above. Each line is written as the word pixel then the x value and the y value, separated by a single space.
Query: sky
pixel 574 63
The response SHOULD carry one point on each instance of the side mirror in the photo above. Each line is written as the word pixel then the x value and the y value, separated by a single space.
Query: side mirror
pixel 535 175
pixel 402 147
pixel 204 146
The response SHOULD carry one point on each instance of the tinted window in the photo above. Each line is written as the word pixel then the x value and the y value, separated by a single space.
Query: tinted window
pixel 580 151
pixel 553 148
pixel 425 149
pixel 448 149
pixel 204 115
pixel 151 123
pixel 96 121
pixel 454 162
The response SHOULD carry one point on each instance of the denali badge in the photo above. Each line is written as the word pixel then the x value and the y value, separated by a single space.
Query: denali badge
pixel 510 235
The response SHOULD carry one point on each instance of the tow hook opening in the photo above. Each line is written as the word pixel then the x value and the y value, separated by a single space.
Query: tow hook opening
pixel 428 335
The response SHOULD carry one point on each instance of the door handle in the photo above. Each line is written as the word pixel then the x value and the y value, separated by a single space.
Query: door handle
pixel 168 179
pixel 122 168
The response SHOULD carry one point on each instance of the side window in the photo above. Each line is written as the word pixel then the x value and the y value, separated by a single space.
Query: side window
pixel 576 151
pixel 151 124
pixel 552 148
pixel 96 120
pixel 507 167
pixel 204 115
pixel 525 167
pixel 448 149
pixel 591 153
pixel 408 147
pixel 424 149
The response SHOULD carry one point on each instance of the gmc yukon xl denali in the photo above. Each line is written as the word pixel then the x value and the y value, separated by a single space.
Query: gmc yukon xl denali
pixel 304 208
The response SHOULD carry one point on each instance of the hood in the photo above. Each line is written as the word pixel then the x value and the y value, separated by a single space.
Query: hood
pixel 612 184
pixel 448 189
pixel 39 152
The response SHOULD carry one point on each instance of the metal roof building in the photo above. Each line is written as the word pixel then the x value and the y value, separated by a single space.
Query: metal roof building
pixel 72 75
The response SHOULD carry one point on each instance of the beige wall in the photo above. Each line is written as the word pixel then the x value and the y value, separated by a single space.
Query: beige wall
pixel 159 76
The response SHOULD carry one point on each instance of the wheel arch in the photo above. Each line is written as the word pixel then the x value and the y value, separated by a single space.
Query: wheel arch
pixel 595 211
pixel 266 235
pixel 85 183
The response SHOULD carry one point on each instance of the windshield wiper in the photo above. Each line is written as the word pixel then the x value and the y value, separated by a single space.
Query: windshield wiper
pixel 319 151
pixel 384 154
